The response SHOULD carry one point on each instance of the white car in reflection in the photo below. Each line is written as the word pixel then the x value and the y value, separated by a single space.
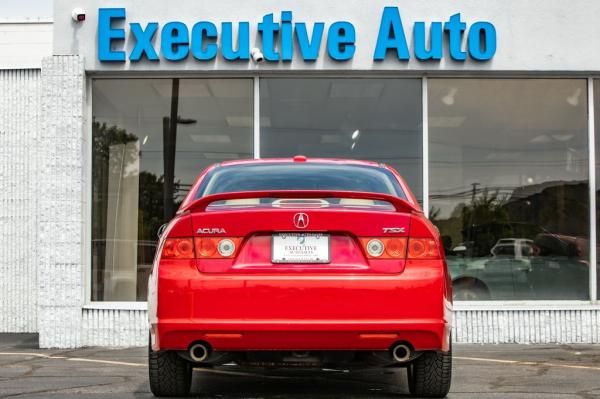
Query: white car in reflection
pixel 517 248
pixel 551 266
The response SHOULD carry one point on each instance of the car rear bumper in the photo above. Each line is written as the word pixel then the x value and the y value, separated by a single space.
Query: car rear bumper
pixel 302 311
pixel 236 335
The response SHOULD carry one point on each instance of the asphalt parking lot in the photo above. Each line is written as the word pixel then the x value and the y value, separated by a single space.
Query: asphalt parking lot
pixel 491 371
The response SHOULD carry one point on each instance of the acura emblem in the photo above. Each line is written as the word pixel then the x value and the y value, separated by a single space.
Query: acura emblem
pixel 301 220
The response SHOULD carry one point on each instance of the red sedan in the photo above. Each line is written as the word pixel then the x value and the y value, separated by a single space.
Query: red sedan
pixel 300 263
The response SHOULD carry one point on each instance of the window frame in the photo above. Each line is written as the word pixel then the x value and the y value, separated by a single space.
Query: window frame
pixel 515 305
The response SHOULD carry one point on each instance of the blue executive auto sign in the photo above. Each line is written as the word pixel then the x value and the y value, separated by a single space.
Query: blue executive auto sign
pixel 203 41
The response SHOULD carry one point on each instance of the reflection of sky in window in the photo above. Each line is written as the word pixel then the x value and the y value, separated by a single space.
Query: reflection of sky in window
pixel 320 117
pixel 221 109
pixel 504 134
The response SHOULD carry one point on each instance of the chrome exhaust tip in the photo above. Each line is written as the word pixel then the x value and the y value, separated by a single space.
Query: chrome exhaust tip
pixel 401 353
pixel 199 352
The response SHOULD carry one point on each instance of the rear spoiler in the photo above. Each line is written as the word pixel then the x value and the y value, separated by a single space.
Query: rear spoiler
pixel 399 204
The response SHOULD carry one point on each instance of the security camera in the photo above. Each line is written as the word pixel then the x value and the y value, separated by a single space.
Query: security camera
pixel 257 55
pixel 78 14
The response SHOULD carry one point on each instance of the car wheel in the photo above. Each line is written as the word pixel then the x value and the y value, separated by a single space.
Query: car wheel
pixel 470 291
pixel 170 375
pixel 430 375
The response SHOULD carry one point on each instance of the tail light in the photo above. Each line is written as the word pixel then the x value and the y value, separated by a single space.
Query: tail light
pixel 423 248
pixel 400 248
pixel 384 247
pixel 178 248
pixel 217 247
pixel 200 247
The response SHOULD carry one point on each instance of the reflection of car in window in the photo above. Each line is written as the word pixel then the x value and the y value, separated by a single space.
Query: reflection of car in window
pixel 515 247
pixel 542 266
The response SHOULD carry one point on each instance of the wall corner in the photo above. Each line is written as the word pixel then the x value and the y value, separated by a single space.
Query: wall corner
pixel 61 216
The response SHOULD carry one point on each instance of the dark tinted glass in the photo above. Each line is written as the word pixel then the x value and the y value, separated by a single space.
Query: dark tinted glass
pixel 509 186
pixel 300 177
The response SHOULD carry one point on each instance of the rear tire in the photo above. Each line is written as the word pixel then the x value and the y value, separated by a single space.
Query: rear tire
pixel 170 375
pixel 430 374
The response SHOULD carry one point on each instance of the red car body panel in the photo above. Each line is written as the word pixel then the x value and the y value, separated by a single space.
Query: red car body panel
pixel 248 303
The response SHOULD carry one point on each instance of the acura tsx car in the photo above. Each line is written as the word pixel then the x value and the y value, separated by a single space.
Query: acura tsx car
pixel 298 262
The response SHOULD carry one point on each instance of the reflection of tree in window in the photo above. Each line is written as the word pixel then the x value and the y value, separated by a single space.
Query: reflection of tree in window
pixel 492 216
pixel 104 139
pixel 116 142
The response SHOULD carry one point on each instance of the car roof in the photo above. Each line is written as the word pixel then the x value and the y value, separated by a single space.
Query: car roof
pixel 300 159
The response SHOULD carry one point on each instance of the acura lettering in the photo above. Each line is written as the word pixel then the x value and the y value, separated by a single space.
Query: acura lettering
pixel 214 230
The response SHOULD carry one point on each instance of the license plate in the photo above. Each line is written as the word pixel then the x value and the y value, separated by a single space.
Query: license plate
pixel 300 248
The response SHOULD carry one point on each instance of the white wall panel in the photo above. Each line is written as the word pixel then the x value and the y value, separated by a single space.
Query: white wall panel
pixel 23 44
pixel 19 131
pixel 108 327
pixel 527 326
pixel 60 217
pixel 112 327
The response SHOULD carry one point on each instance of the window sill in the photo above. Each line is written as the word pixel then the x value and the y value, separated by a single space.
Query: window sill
pixel 117 305
pixel 460 306
pixel 525 305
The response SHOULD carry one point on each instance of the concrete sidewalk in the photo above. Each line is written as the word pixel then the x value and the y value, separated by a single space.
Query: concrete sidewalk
pixel 498 371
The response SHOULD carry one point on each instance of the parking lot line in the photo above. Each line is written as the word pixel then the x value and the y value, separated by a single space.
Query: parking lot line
pixel 527 363
pixel 72 359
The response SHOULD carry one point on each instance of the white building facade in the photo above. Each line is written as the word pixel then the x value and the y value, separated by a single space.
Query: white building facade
pixel 23 44
pixel 488 110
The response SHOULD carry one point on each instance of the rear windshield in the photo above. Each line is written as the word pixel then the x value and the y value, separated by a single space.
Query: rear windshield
pixel 300 176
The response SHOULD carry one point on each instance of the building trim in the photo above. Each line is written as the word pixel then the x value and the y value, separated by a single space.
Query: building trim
pixel 26 21
pixel 592 187
pixel 256 105
pixel 524 305
pixel 425 145
pixel 113 305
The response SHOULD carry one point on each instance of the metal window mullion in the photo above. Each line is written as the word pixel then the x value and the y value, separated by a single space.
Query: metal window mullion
pixel 425 123
pixel 88 225
pixel 592 193
pixel 256 118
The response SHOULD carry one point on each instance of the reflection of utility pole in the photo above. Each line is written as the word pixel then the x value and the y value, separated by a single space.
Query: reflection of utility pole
pixel 470 226
pixel 474 192
pixel 169 147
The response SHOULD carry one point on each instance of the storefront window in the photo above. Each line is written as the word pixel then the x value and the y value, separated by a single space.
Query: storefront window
pixel 151 138
pixel 509 186
pixel 373 119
